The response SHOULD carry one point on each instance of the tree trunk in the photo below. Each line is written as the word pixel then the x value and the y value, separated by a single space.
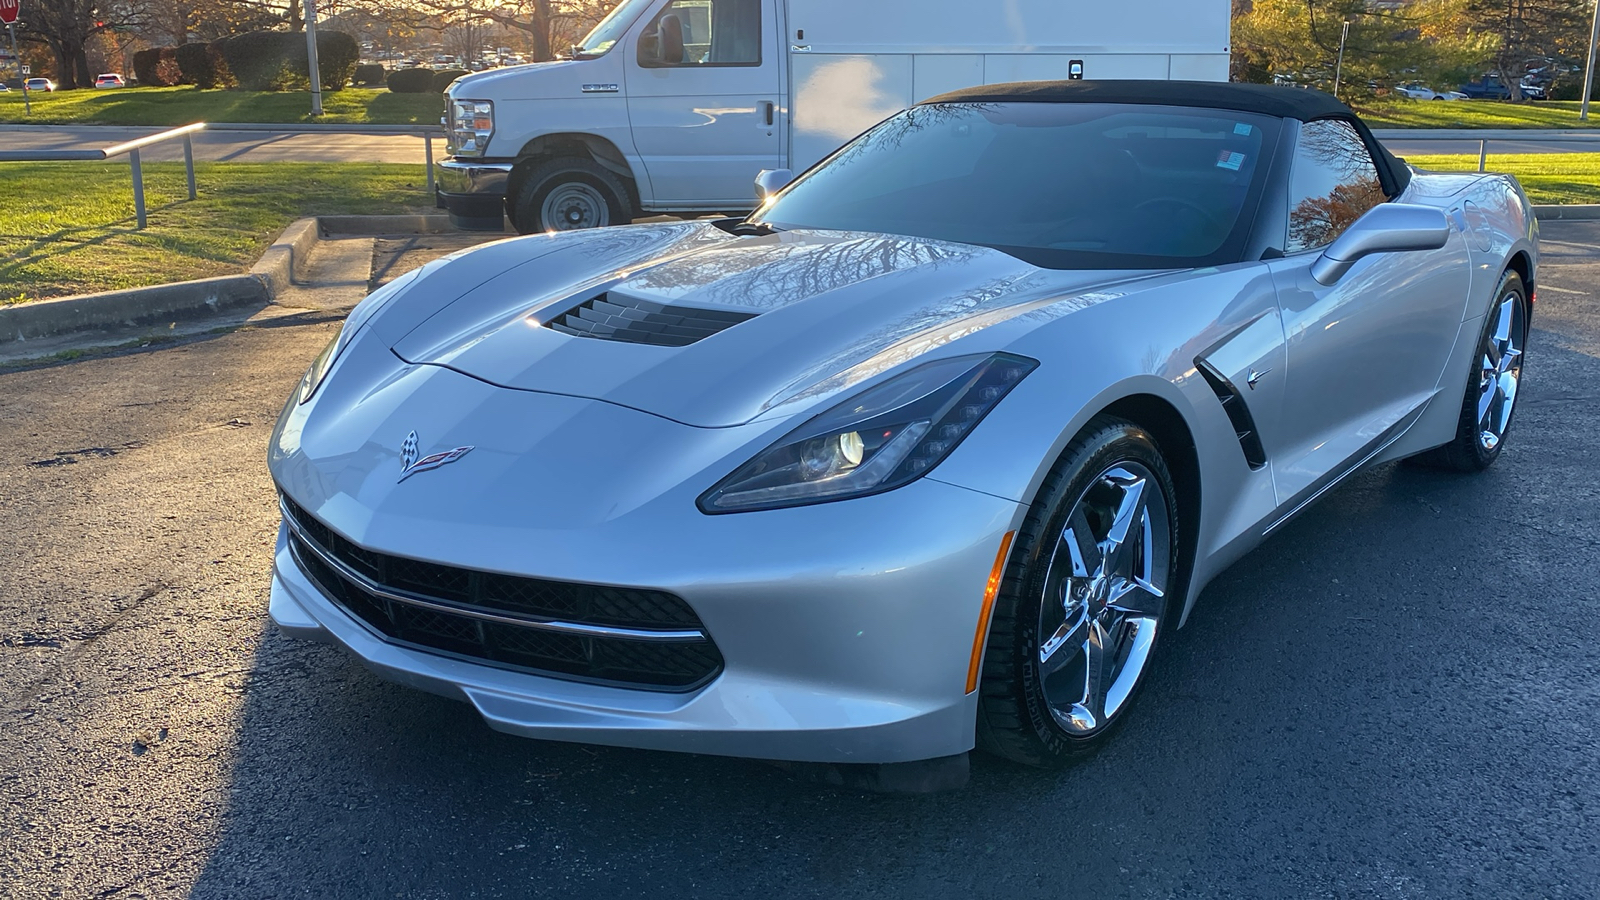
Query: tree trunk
pixel 64 73
pixel 81 58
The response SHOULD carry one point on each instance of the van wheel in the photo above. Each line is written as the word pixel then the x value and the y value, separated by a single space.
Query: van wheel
pixel 568 194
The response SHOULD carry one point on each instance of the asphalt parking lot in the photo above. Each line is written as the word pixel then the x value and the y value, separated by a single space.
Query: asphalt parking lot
pixel 1397 696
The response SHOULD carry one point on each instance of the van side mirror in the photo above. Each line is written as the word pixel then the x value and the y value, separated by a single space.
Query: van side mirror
pixel 1386 228
pixel 771 181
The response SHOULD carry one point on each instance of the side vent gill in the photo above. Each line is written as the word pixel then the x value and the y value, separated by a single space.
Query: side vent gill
pixel 616 318
pixel 1244 425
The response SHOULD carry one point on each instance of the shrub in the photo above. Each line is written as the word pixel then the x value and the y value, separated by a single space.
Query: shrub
pixel 260 60
pixel 337 55
pixel 195 65
pixel 156 67
pixel 443 77
pixel 411 81
pixel 369 75
pixel 219 65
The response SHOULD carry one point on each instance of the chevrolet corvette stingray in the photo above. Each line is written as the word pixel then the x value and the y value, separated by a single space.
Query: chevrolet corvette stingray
pixel 929 452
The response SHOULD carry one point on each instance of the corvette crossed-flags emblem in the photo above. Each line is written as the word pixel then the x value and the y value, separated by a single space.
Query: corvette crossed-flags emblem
pixel 411 465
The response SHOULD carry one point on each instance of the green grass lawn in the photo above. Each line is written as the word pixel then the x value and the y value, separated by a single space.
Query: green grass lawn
pixel 182 105
pixel 1402 113
pixel 68 228
pixel 1547 177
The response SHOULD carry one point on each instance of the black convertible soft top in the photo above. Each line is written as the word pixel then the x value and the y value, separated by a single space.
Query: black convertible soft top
pixel 1283 102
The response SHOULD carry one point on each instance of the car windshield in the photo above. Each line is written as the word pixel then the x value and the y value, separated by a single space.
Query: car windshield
pixel 610 29
pixel 1061 185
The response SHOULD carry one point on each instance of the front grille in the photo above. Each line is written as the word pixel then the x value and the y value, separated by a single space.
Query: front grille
pixel 615 318
pixel 430 606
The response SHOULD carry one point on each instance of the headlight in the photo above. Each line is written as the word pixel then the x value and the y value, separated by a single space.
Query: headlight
pixel 471 125
pixel 353 323
pixel 320 366
pixel 876 441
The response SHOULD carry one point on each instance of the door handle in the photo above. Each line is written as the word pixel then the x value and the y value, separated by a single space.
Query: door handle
pixel 771 107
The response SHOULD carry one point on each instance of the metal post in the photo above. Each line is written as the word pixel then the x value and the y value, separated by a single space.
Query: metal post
pixel 1338 69
pixel 311 57
pixel 1588 70
pixel 188 163
pixel 27 105
pixel 138 185
pixel 1483 153
pixel 427 138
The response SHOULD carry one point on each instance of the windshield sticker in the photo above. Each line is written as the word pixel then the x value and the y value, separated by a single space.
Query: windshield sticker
pixel 1230 160
pixel 1242 128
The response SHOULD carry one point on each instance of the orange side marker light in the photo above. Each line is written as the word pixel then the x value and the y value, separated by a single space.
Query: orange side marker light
pixel 989 592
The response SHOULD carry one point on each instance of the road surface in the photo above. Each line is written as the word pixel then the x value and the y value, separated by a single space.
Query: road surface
pixel 1396 697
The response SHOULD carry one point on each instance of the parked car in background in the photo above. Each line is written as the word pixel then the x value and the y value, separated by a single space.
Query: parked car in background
pixel 110 80
pixel 1416 90
pixel 41 84
pixel 1493 87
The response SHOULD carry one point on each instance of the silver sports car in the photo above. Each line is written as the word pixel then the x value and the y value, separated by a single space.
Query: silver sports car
pixel 929 452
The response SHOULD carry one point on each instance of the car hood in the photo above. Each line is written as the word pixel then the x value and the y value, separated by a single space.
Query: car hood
pixel 784 317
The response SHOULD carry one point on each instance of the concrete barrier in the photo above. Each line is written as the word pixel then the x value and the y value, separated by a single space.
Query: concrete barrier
pixel 131 308
pixel 285 260
pixel 1573 211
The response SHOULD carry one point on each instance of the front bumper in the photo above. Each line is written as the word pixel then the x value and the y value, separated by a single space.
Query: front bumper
pixel 473 191
pixel 826 661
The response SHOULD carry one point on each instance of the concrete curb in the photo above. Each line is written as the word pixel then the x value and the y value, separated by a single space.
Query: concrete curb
pixel 282 265
pixel 285 260
pixel 424 223
pixel 136 307
pixel 1572 211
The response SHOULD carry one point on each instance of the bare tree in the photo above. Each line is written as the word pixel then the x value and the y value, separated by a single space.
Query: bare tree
pixel 66 27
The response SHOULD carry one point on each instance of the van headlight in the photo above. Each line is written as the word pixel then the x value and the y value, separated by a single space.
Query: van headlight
pixel 471 125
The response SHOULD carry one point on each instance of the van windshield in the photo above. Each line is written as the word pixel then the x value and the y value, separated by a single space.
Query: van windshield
pixel 610 29
pixel 1060 185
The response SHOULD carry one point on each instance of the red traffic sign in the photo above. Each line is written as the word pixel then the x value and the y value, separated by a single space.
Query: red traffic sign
pixel 8 10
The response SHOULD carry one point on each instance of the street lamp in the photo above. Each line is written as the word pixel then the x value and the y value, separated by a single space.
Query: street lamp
pixel 1588 70
pixel 1338 69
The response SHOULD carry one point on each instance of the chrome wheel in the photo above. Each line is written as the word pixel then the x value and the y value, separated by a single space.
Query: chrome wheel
pixel 1500 370
pixel 1104 597
pixel 574 205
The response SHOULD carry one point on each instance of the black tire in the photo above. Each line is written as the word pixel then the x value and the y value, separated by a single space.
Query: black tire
pixel 589 180
pixel 1466 452
pixel 1014 719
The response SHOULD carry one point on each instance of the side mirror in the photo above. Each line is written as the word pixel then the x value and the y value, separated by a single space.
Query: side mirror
pixel 1386 228
pixel 771 181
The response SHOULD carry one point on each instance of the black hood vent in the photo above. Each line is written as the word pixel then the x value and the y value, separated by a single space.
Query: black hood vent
pixel 612 317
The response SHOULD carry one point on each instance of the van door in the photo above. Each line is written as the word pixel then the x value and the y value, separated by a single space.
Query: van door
pixel 704 100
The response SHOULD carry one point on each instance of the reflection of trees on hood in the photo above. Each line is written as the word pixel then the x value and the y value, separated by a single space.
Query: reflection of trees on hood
pixel 778 272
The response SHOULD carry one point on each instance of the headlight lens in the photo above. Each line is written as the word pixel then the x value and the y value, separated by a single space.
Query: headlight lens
pixel 876 441
pixel 471 125
pixel 319 366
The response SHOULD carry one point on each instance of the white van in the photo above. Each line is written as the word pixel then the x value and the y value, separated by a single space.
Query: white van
pixel 674 106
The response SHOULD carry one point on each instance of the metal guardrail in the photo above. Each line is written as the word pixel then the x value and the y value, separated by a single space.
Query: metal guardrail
pixel 427 132
pixel 129 147
pixel 186 132
pixel 1485 135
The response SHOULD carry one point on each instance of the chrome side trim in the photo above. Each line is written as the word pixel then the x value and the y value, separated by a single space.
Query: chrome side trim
pixel 1327 482
pixel 575 628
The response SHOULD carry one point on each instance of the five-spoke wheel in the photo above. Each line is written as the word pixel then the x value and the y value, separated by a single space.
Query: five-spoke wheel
pixel 1087 593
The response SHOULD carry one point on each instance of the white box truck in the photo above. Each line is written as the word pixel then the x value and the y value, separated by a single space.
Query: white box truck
pixel 674 106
